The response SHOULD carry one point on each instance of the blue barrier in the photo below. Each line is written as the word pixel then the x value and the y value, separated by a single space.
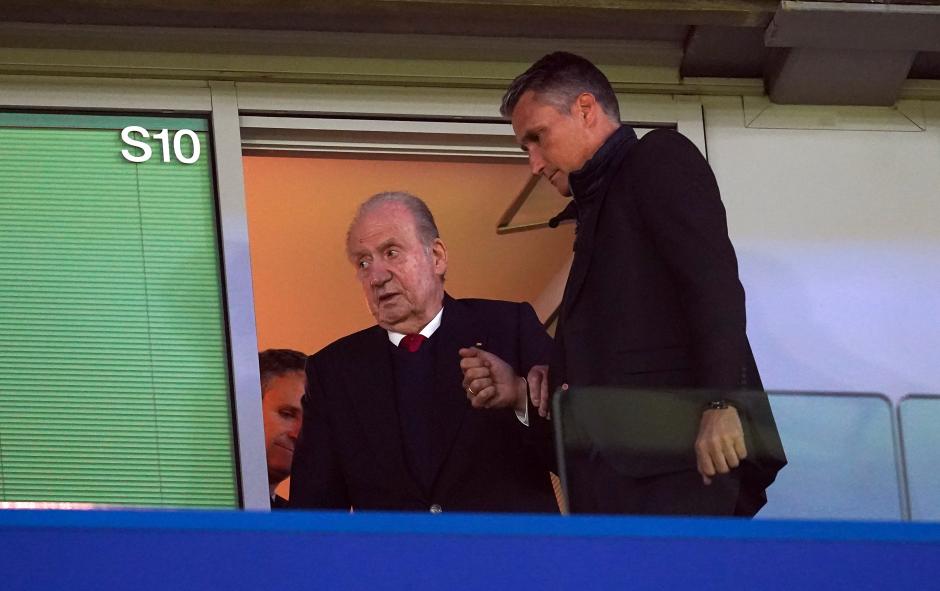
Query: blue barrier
pixel 98 550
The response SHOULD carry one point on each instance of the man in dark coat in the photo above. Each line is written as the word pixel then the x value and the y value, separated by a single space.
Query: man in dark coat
pixel 653 298
pixel 282 387
pixel 403 415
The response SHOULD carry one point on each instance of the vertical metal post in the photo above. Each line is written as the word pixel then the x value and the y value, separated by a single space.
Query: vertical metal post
pixel 239 296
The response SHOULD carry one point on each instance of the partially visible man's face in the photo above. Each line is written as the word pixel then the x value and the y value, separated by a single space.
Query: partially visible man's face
pixel 283 415
pixel 557 143
pixel 402 281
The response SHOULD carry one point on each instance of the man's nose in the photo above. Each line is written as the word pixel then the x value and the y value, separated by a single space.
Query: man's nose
pixel 294 431
pixel 536 162
pixel 378 274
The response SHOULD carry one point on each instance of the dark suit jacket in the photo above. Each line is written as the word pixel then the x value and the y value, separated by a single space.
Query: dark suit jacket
pixel 653 298
pixel 350 453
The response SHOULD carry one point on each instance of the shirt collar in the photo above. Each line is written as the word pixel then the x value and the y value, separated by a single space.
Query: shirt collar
pixel 426 332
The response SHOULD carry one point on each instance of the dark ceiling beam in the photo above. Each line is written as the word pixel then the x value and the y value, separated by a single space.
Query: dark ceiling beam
pixel 724 52
pixel 800 75
pixel 509 18
pixel 321 44
pixel 820 52
pixel 846 52
pixel 855 25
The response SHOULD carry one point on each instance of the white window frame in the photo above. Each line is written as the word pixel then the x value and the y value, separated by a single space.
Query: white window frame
pixel 398 120
pixel 217 101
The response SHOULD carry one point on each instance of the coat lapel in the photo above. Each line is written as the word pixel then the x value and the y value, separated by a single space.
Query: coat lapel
pixel 587 228
pixel 372 390
pixel 457 330
pixel 584 248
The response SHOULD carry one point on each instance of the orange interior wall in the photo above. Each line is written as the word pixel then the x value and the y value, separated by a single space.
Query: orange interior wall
pixel 299 208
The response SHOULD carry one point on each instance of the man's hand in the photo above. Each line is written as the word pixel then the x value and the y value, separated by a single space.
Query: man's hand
pixel 538 389
pixel 490 382
pixel 719 446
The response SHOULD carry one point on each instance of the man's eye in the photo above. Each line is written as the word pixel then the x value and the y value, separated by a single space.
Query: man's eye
pixel 363 264
pixel 287 414
pixel 392 253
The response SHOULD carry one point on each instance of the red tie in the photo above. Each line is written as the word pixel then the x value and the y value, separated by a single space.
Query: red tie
pixel 412 342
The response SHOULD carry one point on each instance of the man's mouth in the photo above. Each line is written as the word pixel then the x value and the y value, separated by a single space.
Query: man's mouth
pixel 289 449
pixel 386 297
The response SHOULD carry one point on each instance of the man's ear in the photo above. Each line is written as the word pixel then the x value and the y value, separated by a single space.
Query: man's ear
pixel 586 107
pixel 439 256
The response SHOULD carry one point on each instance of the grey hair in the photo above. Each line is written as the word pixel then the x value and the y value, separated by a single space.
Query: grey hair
pixel 424 220
pixel 558 79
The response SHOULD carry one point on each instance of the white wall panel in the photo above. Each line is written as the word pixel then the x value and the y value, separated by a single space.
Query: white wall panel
pixel 838 238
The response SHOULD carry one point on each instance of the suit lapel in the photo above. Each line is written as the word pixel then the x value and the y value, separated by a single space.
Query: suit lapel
pixel 457 330
pixel 372 390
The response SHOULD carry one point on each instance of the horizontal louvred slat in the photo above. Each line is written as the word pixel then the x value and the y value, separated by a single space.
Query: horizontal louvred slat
pixel 113 365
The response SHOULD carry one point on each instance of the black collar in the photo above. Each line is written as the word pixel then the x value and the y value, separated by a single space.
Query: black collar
pixel 587 182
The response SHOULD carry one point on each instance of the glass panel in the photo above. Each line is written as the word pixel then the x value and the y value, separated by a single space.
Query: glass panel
pixel 840 448
pixel 920 436
pixel 841 458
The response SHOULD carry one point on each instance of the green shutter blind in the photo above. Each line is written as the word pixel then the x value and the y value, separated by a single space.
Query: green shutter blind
pixel 113 361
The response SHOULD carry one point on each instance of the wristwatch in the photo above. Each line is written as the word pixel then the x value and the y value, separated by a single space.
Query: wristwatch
pixel 716 405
